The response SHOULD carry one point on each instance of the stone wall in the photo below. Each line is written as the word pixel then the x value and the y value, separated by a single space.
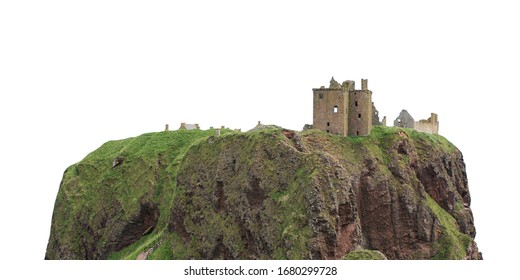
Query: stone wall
pixel 431 125
pixel 375 115
pixel 343 110
pixel 189 126
pixel 360 112
pixel 330 109
pixel 404 120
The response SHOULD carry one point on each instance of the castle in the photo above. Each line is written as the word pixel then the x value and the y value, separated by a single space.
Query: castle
pixel 343 110
pixel 431 125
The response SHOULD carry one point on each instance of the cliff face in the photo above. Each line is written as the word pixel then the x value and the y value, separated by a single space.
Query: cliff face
pixel 267 194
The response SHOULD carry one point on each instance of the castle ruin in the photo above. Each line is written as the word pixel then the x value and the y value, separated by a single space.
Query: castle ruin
pixel 404 120
pixel 341 109
pixel 431 125
pixel 189 126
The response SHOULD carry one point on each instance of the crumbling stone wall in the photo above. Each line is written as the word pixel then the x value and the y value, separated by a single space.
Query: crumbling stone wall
pixel 431 125
pixel 404 120
pixel 189 126
pixel 375 115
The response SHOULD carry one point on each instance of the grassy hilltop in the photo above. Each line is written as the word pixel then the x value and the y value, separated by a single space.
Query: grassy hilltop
pixel 266 194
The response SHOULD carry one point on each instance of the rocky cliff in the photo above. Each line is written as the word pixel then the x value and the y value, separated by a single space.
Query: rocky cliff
pixel 266 194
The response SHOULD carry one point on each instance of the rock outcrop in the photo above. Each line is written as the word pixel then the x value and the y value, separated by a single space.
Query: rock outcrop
pixel 267 194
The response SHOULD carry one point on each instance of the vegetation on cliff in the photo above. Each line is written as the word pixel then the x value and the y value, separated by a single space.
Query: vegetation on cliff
pixel 365 255
pixel 266 194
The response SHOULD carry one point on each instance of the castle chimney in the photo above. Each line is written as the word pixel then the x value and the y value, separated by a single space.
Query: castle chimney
pixel 166 128
pixel 364 84
pixel 434 118
pixel 349 85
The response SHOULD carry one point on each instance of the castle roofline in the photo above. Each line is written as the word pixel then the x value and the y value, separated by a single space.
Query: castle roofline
pixel 328 89
pixel 341 89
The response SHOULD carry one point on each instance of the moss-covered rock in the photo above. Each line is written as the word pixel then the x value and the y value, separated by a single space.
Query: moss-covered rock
pixel 266 194
pixel 365 255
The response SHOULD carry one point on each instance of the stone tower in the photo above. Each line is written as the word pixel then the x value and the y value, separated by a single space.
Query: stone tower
pixel 343 110
pixel 360 110
pixel 330 108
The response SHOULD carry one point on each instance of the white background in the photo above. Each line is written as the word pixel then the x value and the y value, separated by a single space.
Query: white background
pixel 75 74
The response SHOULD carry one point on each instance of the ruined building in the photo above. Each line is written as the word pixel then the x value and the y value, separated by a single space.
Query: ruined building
pixel 188 126
pixel 404 120
pixel 431 125
pixel 341 109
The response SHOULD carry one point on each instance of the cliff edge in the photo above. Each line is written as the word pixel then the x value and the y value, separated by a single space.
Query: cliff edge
pixel 266 194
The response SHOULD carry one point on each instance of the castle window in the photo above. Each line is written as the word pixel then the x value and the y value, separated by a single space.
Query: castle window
pixel 327 131
pixel 321 95
pixel 355 103
pixel 335 110
pixel 328 124
pixel 359 116
pixel 357 132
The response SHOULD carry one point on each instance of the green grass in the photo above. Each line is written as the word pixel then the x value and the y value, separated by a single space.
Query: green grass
pixel 92 191
pixel 452 244
pixel 132 251
pixel 433 140
pixel 284 204
pixel 364 255
pixel 295 232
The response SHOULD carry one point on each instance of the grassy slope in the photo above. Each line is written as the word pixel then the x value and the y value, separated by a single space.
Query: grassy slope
pixel 92 189
pixel 285 206
pixel 167 149
pixel 452 244
pixel 171 148
pixel 364 255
